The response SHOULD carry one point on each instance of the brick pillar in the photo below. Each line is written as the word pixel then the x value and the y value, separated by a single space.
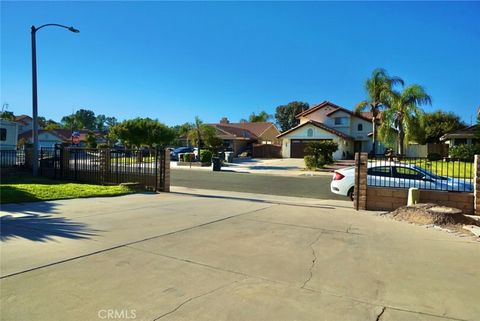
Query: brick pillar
pixel 476 189
pixel 166 187
pixel 105 164
pixel 361 161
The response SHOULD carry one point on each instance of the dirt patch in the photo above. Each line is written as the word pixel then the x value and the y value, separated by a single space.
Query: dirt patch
pixel 432 214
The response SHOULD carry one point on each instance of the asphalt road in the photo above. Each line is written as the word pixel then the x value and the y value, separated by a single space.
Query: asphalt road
pixel 305 186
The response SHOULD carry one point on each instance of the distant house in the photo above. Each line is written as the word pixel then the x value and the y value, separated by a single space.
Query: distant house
pixel 465 136
pixel 240 137
pixel 327 121
pixel 25 123
pixel 8 135
pixel 49 138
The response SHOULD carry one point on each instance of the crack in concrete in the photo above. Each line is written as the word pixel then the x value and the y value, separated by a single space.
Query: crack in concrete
pixel 379 316
pixel 131 243
pixel 313 261
pixel 213 267
pixel 194 298
pixel 302 226
pixel 386 306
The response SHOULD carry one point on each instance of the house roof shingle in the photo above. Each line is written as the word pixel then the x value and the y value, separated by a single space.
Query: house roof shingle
pixel 468 132
pixel 363 115
pixel 244 130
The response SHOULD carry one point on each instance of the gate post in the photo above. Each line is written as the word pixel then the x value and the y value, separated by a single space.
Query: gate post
pixel 65 162
pixel 104 164
pixel 360 189
pixel 476 186
pixel 166 168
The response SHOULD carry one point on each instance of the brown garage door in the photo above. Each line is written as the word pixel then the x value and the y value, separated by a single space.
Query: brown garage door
pixel 297 148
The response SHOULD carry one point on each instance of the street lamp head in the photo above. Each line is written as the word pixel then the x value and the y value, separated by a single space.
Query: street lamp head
pixel 72 29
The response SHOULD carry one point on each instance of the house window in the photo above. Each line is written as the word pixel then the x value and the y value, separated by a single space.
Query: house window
pixel 310 132
pixel 3 134
pixel 460 141
pixel 341 121
pixel 360 127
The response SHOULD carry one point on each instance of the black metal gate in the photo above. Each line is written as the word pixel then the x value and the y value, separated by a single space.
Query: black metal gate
pixel 105 166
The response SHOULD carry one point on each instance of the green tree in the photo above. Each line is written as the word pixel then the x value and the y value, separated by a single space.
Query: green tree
pixel 111 121
pixel 439 123
pixel 285 115
pixel 7 115
pixel 404 114
pixel 142 132
pixel 91 140
pixel 83 118
pixel 379 89
pixel 100 122
pixel 50 125
pixel 261 117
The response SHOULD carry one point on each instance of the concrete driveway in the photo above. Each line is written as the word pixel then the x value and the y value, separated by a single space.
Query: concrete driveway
pixel 228 257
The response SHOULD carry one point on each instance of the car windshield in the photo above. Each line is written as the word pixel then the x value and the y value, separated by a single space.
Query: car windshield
pixel 426 172
pixel 180 149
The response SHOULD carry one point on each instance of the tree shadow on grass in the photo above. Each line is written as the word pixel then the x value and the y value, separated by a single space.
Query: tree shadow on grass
pixel 42 228
pixel 20 201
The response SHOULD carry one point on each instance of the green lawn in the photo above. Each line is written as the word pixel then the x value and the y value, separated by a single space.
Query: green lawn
pixel 131 160
pixel 30 189
pixel 451 169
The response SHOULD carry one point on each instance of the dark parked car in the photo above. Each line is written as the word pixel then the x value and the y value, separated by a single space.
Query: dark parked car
pixel 180 150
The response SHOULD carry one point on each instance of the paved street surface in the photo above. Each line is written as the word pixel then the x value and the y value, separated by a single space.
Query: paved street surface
pixel 296 186
pixel 229 257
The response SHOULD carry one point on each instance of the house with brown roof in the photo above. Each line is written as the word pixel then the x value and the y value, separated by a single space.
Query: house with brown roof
pixel 240 137
pixel 327 121
pixel 49 138
pixel 25 123
pixel 464 136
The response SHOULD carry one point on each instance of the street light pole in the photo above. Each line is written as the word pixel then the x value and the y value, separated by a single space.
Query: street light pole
pixel 34 92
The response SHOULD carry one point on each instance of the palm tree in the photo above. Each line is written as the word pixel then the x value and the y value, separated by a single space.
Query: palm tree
pixel 379 89
pixel 404 114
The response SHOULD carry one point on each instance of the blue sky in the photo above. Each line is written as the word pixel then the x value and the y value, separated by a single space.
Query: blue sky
pixel 175 60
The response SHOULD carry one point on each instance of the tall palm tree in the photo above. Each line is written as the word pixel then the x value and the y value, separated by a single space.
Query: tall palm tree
pixel 379 89
pixel 404 114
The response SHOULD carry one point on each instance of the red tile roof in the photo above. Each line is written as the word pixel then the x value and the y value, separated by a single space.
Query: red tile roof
pixel 319 125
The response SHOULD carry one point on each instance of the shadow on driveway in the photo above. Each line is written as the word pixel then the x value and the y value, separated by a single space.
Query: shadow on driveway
pixel 42 228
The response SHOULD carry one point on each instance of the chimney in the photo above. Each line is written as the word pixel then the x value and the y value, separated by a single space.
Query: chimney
pixel 224 120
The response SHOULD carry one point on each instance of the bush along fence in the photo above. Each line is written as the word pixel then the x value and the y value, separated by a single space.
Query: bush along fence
pixel 150 168
pixel 383 183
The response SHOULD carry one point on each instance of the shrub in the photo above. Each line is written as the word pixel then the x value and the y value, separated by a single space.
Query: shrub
pixel 310 162
pixel 187 157
pixel 101 146
pixel 464 153
pixel 205 156
pixel 434 157
pixel 321 152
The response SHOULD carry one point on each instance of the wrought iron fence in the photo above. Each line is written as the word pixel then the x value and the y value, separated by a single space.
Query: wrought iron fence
pixel 13 158
pixel 422 173
pixel 92 165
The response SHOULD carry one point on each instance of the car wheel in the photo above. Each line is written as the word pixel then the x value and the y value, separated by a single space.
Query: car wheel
pixel 351 193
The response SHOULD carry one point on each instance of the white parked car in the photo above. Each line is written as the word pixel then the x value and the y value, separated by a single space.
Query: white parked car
pixel 397 175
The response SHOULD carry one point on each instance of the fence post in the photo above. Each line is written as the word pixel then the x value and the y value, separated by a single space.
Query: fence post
pixel 360 189
pixel 163 177
pixel 105 164
pixel 65 162
pixel 476 187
